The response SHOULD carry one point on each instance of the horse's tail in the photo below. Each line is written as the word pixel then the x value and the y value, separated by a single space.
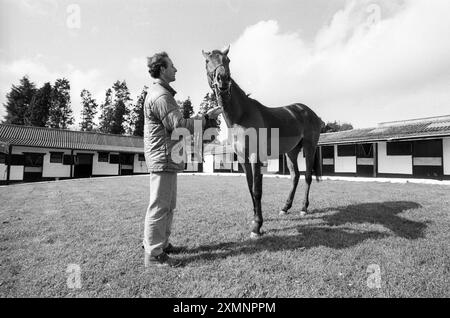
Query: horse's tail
pixel 317 168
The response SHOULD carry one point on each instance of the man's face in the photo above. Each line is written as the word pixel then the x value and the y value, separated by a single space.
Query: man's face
pixel 168 73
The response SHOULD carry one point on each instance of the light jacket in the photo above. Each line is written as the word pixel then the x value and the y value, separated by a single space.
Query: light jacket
pixel 162 115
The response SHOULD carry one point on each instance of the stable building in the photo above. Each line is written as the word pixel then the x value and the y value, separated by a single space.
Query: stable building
pixel 418 148
pixel 35 153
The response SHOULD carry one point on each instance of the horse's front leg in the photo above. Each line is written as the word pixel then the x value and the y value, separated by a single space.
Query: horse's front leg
pixel 257 194
pixel 249 177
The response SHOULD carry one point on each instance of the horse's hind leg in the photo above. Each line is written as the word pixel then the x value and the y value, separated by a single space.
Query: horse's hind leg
pixel 291 159
pixel 310 150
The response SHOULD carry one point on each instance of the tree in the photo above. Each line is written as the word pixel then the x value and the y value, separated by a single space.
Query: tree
pixel 335 126
pixel 186 108
pixel 38 112
pixel 88 111
pixel 137 114
pixel 18 101
pixel 209 102
pixel 106 117
pixel 60 114
pixel 121 104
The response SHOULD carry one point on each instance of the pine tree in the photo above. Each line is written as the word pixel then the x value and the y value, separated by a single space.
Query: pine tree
pixel 60 114
pixel 121 103
pixel 209 102
pixel 106 117
pixel 137 116
pixel 88 111
pixel 38 112
pixel 18 101
pixel 186 108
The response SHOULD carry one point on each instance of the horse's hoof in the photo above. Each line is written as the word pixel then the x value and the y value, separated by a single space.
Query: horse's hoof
pixel 302 213
pixel 255 236
pixel 282 212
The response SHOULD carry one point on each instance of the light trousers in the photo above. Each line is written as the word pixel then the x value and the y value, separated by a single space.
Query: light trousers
pixel 159 216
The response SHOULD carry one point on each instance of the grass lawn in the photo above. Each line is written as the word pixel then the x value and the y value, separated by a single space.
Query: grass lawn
pixel 354 229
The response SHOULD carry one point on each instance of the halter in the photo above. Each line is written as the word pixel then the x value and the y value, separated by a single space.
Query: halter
pixel 215 84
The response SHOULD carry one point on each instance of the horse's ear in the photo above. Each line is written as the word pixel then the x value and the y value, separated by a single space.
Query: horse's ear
pixel 225 51
pixel 205 54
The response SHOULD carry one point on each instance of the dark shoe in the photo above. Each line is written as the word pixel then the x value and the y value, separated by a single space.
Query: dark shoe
pixel 170 249
pixel 161 260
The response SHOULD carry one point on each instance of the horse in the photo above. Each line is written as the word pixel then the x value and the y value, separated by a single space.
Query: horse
pixel 298 127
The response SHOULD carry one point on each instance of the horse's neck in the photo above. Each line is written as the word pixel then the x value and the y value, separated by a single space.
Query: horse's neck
pixel 234 106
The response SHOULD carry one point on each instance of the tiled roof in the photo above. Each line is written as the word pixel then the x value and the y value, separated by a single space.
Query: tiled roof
pixel 68 139
pixel 408 129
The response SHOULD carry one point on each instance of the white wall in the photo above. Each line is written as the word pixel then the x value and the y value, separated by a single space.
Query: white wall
pixel 139 166
pixel 301 162
pixel 208 165
pixel 344 164
pixel 192 166
pixel 103 168
pixel 273 165
pixel 59 170
pixel 393 164
pixel 3 171
pixel 49 169
pixel 16 173
pixel 224 159
pixel 55 170
pixel 446 155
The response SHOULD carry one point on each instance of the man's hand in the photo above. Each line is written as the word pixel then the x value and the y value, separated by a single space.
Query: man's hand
pixel 214 113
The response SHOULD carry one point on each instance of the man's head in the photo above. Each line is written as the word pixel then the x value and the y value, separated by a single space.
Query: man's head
pixel 161 66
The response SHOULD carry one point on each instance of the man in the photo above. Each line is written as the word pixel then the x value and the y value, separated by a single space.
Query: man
pixel 162 116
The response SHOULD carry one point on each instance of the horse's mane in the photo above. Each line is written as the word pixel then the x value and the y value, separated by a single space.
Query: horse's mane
pixel 243 93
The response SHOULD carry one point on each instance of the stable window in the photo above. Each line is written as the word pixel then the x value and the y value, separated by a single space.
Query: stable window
pixel 328 152
pixel 68 160
pixel 33 160
pixel 399 148
pixel 3 158
pixel 17 160
pixel 103 156
pixel 56 157
pixel 346 151
pixel 365 150
pixel 126 159
pixel 113 158
pixel 141 157
pixel 428 148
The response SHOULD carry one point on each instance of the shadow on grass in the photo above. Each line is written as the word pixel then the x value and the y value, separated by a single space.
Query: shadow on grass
pixel 324 234
pixel 383 213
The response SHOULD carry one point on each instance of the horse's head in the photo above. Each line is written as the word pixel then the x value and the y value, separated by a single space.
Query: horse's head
pixel 218 70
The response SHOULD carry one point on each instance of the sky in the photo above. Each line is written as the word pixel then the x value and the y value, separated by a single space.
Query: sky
pixel 361 62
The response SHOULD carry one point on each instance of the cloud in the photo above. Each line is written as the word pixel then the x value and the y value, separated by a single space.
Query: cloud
pixel 373 62
pixel 42 7
pixel 38 73
pixel 138 67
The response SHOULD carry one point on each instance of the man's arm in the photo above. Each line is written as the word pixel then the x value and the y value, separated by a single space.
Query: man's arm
pixel 167 110
pixel 169 113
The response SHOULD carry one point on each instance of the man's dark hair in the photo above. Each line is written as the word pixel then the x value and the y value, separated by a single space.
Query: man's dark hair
pixel 155 63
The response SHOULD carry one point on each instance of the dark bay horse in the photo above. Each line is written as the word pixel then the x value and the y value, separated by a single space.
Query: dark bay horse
pixel 298 127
